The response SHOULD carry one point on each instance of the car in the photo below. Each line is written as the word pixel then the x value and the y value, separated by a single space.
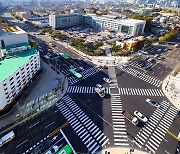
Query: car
pixel 153 103
pixel 125 65
pixel 159 50
pixel 99 86
pixel 156 55
pixel 107 80
pixel 150 60
pixel 159 57
pixel 53 150
pixel 147 67
pixel 140 116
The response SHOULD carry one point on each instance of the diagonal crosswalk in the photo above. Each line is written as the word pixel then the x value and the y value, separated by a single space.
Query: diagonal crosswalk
pixel 149 79
pixel 155 129
pixel 89 72
pixel 92 137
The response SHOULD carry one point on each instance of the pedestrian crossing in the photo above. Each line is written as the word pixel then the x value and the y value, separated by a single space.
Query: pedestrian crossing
pixel 92 137
pixel 85 74
pixel 81 89
pixel 149 79
pixel 138 91
pixel 139 64
pixel 155 129
pixel 119 127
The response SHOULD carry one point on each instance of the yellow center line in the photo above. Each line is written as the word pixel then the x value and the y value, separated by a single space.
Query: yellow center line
pixel 173 135
pixel 56 130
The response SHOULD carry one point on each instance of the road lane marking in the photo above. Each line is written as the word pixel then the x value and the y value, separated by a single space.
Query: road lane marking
pixel 56 130
pixel 21 143
pixel 33 125
pixel 67 141
pixel 49 125
pixel 174 136
pixel 167 152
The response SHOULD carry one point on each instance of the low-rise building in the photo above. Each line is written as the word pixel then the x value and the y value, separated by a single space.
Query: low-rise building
pixel 12 35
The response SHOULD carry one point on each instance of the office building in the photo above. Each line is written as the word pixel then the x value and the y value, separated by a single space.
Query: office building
pixel 12 35
pixel 127 26
pixel 65 20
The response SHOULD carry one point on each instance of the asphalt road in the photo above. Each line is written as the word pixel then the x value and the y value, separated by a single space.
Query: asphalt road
pixel 97 112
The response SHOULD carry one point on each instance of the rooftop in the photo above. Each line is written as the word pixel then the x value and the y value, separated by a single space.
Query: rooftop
pixel 121 20
pixel 9 65
pixel 11 30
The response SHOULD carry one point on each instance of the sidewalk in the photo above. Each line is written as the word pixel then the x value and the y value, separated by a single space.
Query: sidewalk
pixel 42 94
pixel 123 150
pixel 98 60
pixel 171 88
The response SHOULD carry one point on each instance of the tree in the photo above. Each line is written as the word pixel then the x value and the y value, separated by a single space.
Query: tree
pixel 33 43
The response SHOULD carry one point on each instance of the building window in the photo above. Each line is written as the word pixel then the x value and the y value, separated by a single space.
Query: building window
pixel 13 87
pixel 11 79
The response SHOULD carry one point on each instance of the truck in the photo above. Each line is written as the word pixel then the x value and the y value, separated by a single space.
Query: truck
pixel 6 138
pixel 100 90
pixel 130 117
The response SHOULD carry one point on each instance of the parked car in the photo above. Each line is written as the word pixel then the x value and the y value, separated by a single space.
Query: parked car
pixel 107 80
pixel 153 103
pixel 140 116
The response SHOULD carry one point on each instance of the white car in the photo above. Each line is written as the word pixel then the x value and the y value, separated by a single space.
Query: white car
pixel 53 150
pixel 140 116
pixel 153 103
pixel 107 80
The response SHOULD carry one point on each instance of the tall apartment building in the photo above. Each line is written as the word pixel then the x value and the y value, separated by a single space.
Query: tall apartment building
pixel 127 26
pixel 19 63
pixel 65 20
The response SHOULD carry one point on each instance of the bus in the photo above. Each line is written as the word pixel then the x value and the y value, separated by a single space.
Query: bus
pixel 66 57
pixel 6 138
pixel 76 74
pixel 65 150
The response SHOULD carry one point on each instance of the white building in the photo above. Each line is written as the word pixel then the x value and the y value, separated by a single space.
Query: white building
pixel 12 35
pixel 126 26
pixel 65 20
pixel 17 69
pixel 19 62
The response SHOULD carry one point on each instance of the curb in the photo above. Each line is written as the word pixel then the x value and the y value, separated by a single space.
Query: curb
pixel 165 81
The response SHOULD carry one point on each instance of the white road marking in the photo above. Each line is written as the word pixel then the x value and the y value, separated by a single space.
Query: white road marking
pixel 21 143
pixel 49 125
pixel 167 152
pixel 67 141
pixel 33 125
